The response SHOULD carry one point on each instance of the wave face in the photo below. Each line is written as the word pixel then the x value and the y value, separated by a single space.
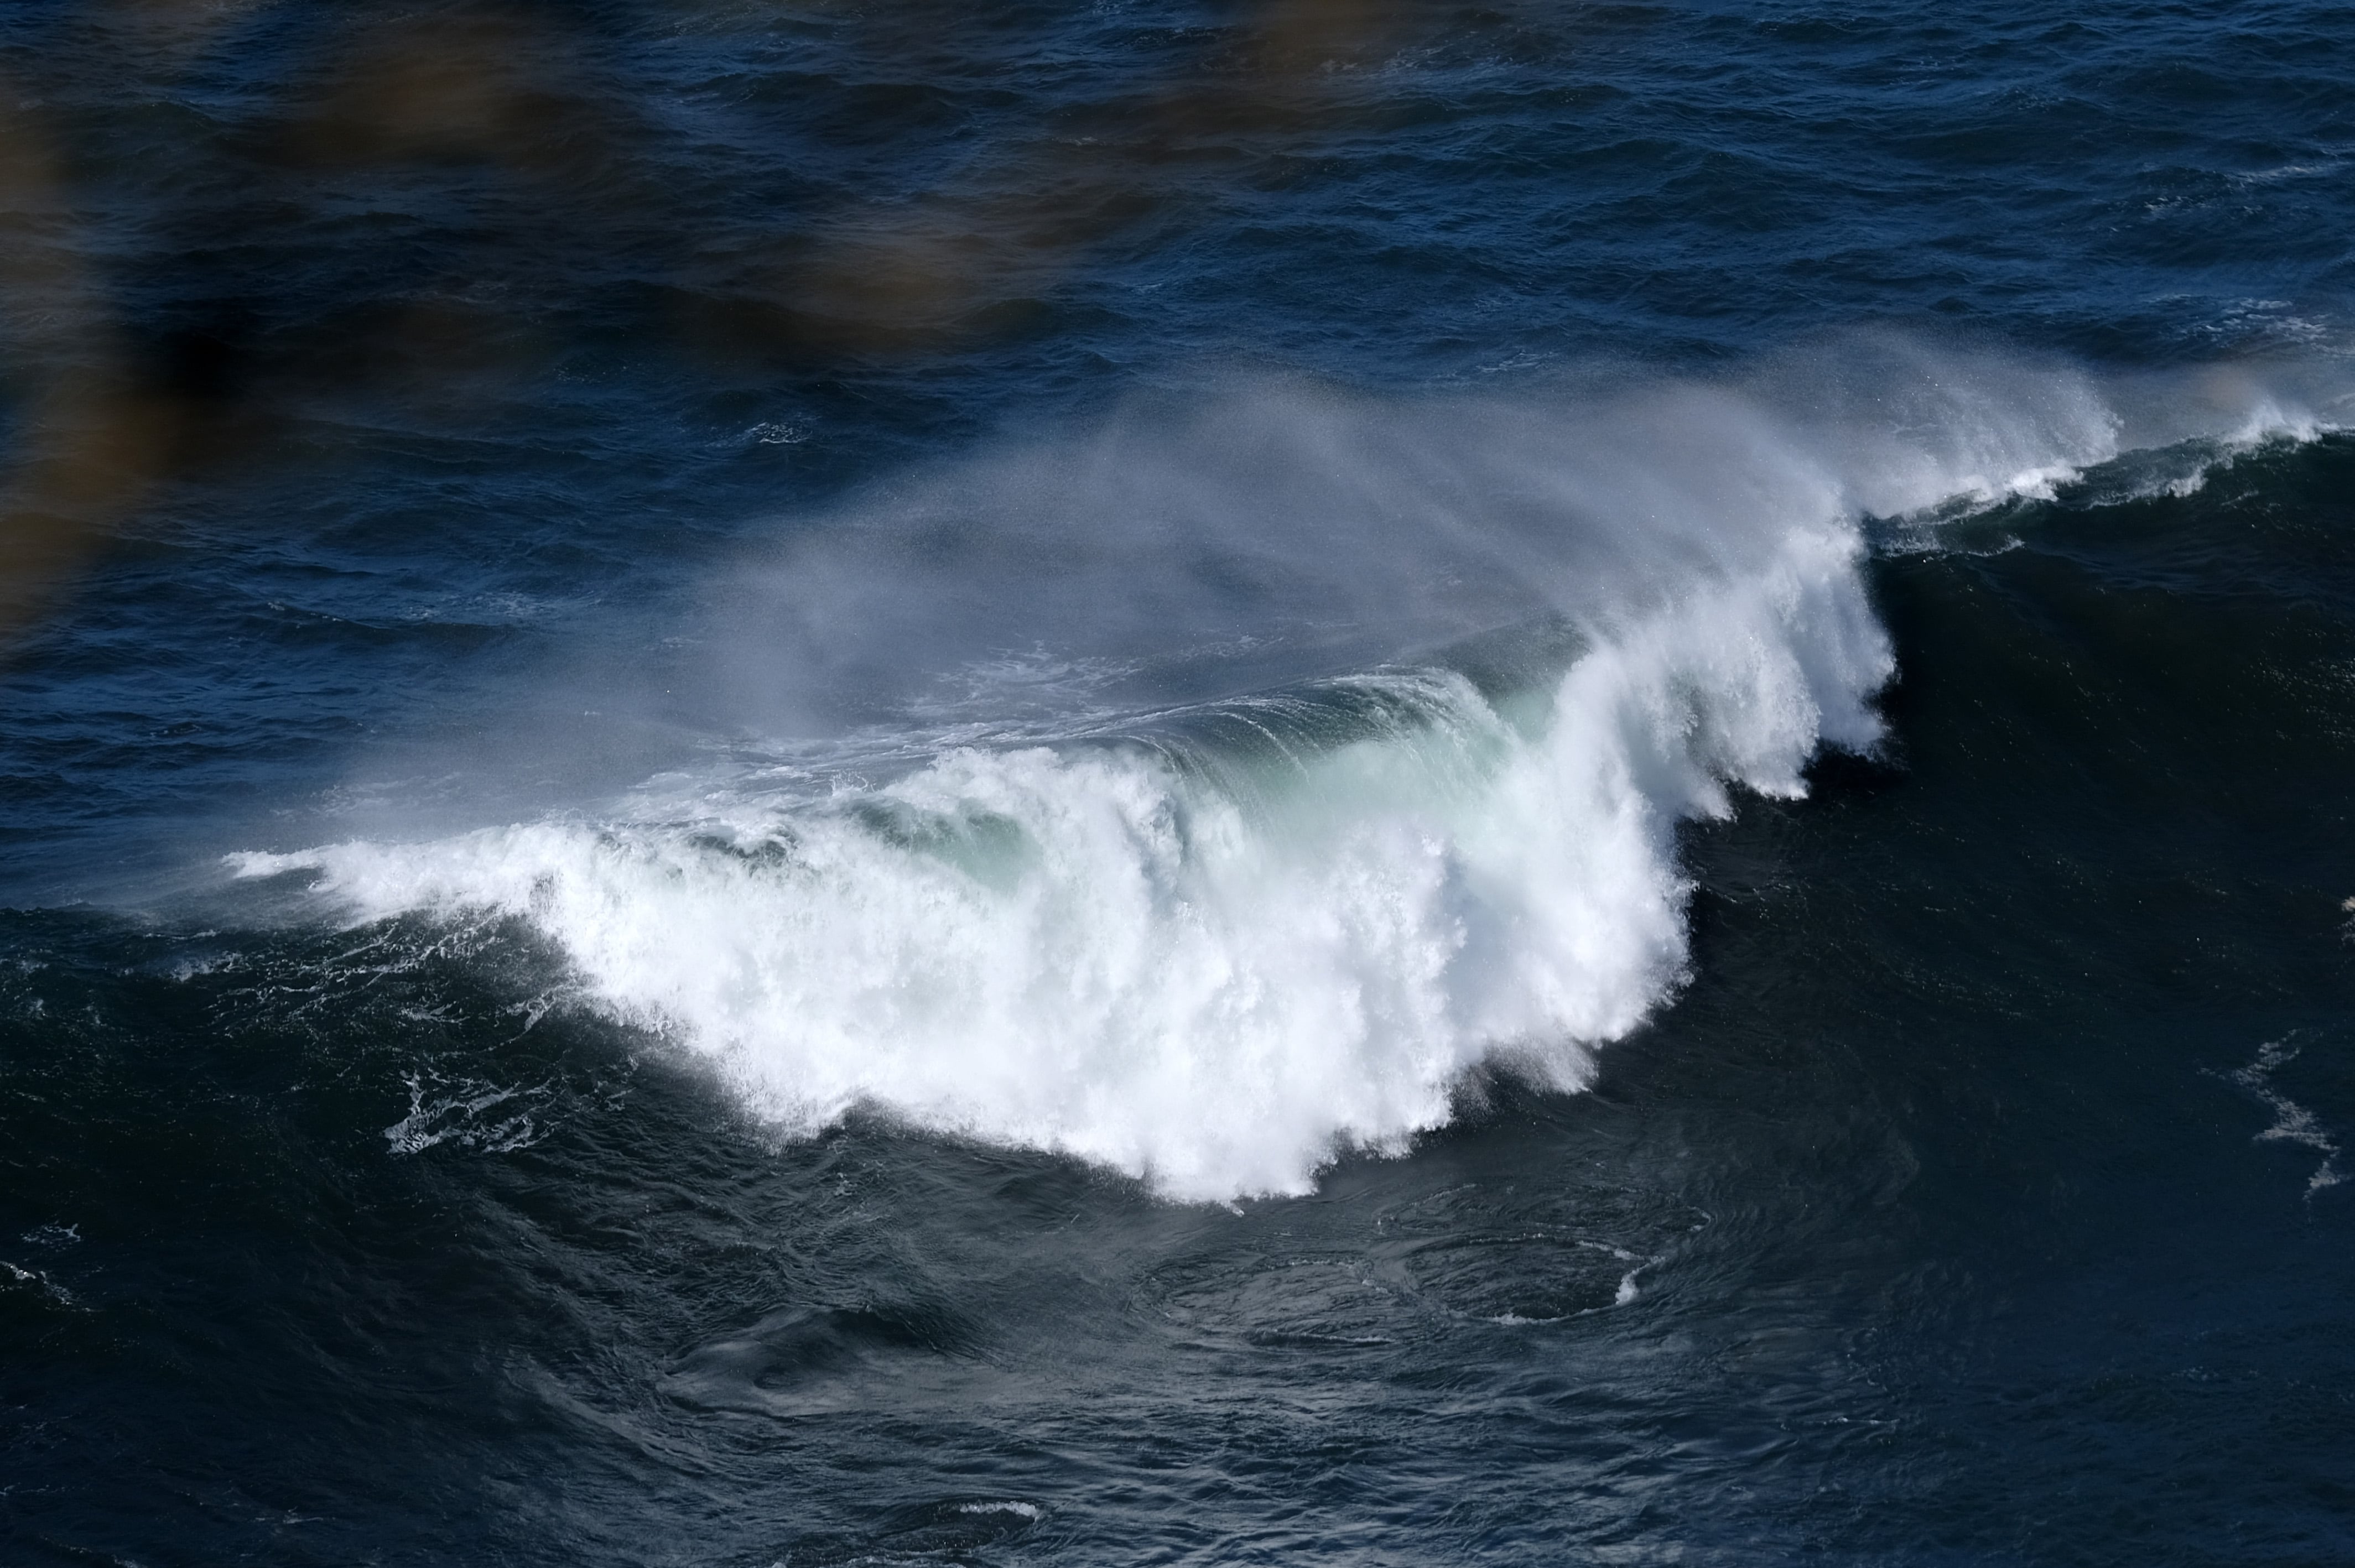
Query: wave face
pixel 1214 938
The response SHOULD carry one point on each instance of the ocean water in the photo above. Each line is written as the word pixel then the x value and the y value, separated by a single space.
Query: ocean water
pixel 1292 780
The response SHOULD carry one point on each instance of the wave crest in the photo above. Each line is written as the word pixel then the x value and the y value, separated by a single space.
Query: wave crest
pixel 1208 967
pixel 1276 910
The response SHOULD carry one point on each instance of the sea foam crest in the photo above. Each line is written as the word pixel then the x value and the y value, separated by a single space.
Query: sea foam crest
pixel 1215 964
pixel 1207 980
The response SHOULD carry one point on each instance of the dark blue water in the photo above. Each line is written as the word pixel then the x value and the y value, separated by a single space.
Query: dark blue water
pixel 1297 781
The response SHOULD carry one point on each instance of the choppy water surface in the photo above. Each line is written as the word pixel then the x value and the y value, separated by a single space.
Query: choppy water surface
pixel 1277 782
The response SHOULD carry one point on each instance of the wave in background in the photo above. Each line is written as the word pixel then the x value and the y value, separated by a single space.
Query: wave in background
pixel 1213 792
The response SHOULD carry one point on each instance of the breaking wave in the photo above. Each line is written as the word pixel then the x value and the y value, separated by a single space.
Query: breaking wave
pixel 1211 794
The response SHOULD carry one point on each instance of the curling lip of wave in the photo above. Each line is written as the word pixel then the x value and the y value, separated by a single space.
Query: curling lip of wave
pixel 1213 956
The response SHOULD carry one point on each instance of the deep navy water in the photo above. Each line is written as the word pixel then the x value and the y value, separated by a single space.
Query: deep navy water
pixel 1293 781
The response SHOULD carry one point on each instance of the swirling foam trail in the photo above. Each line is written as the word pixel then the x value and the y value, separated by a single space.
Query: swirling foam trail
pixel 1212 963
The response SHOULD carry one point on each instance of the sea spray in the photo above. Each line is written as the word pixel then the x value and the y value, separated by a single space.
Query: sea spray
pixel 1213 978
pixel 1211 917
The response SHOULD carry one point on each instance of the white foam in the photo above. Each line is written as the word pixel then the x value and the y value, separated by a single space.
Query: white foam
pixel 1215 967
pixel 2293 1123
pixel 1209 982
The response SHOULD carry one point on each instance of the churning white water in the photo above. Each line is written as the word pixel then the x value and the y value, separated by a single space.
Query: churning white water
pixel 1214 940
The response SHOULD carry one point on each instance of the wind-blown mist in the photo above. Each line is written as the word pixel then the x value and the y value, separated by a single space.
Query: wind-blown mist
pixel 1213 792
